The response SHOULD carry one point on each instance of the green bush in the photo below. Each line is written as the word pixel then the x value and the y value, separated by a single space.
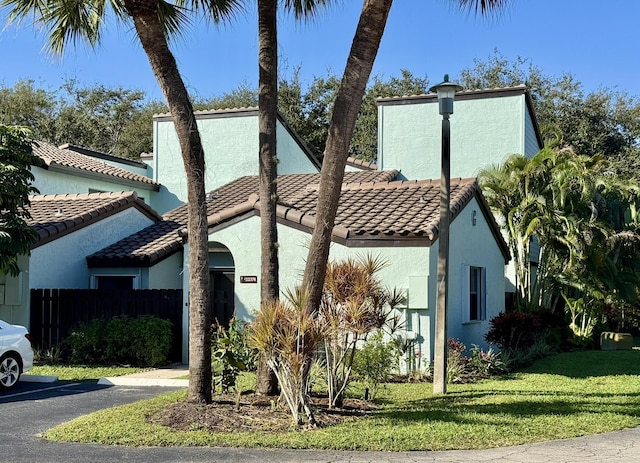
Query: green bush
pixel 375 361
pixel 86 344
pixel 231 354
pixel 144 341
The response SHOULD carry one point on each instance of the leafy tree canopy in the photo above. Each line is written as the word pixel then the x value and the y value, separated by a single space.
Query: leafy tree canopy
pixel 119 121
pixel 16 159
pixel 111 120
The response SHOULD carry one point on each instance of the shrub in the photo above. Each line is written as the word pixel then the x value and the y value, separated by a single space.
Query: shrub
pixel 231 354
pixel 374 363
pixel 486 364
pixel 86 343
pixel 456 361
pixel 143 341
pixel 354 304
pixel 287 336
pixel 515 330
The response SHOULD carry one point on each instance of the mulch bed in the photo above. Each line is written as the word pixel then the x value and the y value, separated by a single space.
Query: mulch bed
pixel 253 414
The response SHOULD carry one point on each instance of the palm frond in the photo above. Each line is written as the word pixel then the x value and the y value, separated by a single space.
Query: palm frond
pixel 218 11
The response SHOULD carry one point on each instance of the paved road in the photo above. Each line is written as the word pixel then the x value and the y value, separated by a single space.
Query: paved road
pixel 33 408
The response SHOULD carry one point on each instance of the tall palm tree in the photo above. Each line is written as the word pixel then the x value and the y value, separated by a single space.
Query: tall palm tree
pixel 266 381
pixel 268 159
pixel 154 21
pixel 362 55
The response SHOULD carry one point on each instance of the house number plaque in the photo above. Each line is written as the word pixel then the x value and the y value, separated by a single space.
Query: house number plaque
pixel 248 279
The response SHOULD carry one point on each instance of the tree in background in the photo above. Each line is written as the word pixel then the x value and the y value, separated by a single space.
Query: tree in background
pixel 110 120
pixel 586 222
pixel 16 159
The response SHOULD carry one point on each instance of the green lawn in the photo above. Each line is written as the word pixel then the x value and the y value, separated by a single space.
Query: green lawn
pixel 568 395
pixel 81 373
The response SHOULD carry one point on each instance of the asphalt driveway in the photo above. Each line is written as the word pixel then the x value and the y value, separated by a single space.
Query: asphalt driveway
pixel 32 408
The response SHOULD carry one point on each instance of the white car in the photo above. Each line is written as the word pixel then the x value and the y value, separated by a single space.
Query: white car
pixel 16 354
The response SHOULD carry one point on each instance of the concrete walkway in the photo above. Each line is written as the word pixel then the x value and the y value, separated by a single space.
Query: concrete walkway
pixel 173 376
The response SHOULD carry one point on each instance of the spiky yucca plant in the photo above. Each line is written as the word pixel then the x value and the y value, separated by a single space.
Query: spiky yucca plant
pixel 287 336
pixel 354 304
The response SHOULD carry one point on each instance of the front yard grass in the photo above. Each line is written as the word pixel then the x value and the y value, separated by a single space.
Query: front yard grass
pixel 81 373
pixel 563 396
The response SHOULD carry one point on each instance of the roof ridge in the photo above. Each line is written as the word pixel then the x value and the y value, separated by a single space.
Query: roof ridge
pixel 71 196
pixel 462 92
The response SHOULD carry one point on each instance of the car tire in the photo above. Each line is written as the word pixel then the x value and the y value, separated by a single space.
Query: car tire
pixel 9 371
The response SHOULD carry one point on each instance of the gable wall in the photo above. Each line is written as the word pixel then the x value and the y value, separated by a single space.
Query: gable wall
pixel 48 183
pixel 62 262
pixel 231 151
pixel 483 131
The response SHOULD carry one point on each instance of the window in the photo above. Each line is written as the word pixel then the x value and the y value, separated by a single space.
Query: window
pixel 115 282
pixel 476 294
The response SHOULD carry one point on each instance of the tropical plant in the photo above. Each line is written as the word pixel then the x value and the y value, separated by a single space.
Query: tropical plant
pixel 583 218
pixel 154 22
pixel 267 158
pixel 16 159
pixel 287 335
pixel 231 354
pixel 364 49
pixel 353 305
pixel 374 362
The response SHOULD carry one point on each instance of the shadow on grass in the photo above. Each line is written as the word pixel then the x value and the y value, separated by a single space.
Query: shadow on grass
pixel 589 364
pixel 468 407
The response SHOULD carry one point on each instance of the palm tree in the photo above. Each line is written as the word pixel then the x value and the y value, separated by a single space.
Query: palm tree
pixel 267 114
pixel 154 21
pixel 362 55
pixel 268 159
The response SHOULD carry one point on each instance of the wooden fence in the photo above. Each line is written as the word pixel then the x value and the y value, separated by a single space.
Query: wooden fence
pixel 54 312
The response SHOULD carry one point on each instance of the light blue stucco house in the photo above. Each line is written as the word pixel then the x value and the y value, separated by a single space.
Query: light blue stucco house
pixel 388 208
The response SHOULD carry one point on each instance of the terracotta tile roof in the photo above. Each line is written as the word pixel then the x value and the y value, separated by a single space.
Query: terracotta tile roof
pixel 360 164
pixel 65 159
pixel 53 216
pixel 384 211
pixel 374 210
pixel 163 238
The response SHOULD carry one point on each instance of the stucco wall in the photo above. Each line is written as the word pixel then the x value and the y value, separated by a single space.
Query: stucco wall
pixel 166 274
pixel 62 263
pixel 48 182
pixel 473 246
pixel 483 131
pixel 15 292
pixel 231 151
pixel 411 269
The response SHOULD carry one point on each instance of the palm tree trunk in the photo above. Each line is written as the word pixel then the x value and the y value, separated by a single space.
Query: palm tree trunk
pixel 154 43
pixel 363 52
pixel 267 113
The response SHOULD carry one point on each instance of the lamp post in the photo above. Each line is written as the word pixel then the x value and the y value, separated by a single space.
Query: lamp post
pixel 446 92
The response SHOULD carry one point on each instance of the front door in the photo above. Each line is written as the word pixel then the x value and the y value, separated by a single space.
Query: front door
pixel 222 296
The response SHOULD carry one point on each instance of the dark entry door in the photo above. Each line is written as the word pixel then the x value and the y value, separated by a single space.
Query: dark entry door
pixel 222 293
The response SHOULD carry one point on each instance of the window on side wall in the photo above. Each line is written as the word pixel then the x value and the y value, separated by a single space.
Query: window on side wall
pixel 114 282
pixel 477 294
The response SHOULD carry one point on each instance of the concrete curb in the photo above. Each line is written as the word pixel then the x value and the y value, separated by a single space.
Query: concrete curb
pixel 129 381
pixel 27 378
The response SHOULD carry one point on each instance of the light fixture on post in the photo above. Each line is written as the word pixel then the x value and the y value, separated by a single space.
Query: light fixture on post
pixel 446 93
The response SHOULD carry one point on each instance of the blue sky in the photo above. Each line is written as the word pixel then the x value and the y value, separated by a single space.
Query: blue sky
pixel 597 41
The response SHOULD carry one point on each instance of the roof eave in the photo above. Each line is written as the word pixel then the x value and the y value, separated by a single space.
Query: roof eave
pixel 55 167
